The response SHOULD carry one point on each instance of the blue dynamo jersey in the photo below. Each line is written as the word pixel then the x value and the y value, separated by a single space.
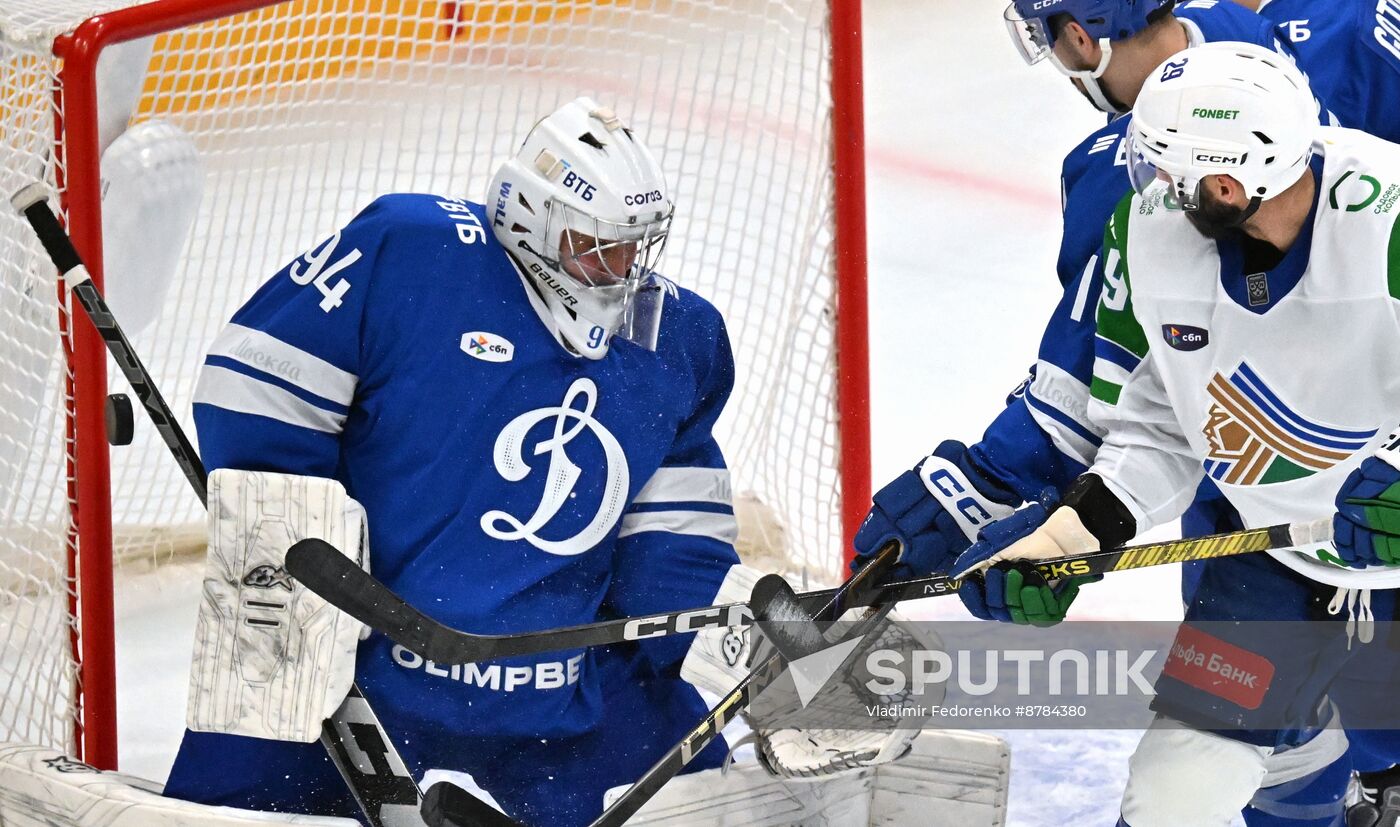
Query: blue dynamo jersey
pixel 509 485
pixel 1350 50
pixel 1044 437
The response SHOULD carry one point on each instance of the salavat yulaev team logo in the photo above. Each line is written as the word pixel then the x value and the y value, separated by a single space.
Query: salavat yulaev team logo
pixel 1255 438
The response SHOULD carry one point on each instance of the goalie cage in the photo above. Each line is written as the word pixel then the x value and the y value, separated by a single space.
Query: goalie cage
pixel 300 113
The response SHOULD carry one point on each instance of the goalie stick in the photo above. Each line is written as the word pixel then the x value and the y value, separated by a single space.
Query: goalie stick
pixel 450 806
pixel 356 592
pixel 353 737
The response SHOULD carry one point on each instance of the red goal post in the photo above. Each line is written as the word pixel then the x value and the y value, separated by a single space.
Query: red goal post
pixel 76 173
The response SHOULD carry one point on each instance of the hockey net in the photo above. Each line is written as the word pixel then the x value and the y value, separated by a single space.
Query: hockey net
pixel 301 113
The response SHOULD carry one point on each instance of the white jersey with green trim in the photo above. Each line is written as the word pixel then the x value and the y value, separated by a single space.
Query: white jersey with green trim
pixel 1276 384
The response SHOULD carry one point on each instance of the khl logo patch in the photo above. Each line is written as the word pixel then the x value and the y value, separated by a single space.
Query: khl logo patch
pixel 1255 438
pixel 1257 284
pixel 1185 337
pixel 488 347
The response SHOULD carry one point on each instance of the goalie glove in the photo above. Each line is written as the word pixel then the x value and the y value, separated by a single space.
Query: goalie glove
pixel 807 739
pixel 793 739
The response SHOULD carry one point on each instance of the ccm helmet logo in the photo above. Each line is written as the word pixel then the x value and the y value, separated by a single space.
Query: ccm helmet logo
pixel 1043 4
pixel 1203 156
pixel 642 198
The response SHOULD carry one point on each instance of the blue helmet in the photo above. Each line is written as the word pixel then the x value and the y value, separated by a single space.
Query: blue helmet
pixel 1104 20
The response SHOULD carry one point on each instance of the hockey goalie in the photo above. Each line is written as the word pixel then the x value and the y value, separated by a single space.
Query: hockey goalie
pixel 506 412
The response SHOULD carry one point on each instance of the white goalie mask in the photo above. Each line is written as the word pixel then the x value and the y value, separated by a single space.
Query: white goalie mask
pixel 584 208
pixel 1222 109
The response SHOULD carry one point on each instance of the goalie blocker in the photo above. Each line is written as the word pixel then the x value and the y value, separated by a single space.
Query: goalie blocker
pixel 272 659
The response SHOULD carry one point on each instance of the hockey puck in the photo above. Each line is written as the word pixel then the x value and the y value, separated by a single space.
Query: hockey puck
pixel 121 425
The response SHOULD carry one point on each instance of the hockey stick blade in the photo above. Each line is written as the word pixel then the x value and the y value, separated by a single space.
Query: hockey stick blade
pixel 859 586
pixel 447 805
pixel 791 627
pixel 320 567
pixel 357 593
pixel 796 633
pixel 780 616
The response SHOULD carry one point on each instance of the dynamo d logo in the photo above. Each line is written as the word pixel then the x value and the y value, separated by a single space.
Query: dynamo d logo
pixel 1185 337
pixel 1255 438
pixel 571 420
pixel 488 347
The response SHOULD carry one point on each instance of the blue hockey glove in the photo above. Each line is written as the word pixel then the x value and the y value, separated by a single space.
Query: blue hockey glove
pixel 1366 530
pixel 1011 590
pixel 934 510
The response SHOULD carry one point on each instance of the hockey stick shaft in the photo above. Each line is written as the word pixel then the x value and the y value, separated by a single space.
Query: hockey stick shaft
pixel 354 591
pixel 31 202
pixel 386 792
pixel 859 589
pixel 863 589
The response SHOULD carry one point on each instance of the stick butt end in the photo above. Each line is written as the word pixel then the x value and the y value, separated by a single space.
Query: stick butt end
pixel 29 195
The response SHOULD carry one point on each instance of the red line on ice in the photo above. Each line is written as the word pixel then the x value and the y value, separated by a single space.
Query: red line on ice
pixel 900 163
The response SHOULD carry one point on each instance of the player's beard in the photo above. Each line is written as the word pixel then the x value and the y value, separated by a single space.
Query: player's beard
pixel 1216 219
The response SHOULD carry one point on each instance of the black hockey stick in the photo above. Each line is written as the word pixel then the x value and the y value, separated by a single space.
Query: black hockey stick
pixel 353 736
pixel 448 806
pixel 354 591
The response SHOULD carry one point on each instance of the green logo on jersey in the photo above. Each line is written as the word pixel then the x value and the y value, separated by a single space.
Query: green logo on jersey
pixel 1216 114
pixel 1372 189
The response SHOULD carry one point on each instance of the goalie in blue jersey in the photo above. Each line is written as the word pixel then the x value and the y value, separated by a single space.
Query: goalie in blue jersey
pixel 514 410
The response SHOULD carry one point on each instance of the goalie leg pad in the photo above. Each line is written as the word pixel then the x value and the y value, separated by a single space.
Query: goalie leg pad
pixel 271 658
pixel 947 779
pixel 41 787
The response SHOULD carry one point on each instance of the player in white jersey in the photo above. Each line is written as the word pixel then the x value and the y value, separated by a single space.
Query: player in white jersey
pixel 1248 330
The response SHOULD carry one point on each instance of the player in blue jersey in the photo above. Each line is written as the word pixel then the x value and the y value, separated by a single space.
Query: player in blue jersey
pixel 515 411
pixel 1043 437
pixel 1351 51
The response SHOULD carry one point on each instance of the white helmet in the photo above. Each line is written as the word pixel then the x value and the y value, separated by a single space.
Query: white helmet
pixel 1223 108
pixel 585 210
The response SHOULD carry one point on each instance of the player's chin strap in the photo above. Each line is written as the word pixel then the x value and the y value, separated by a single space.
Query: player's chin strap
pixel 1089 79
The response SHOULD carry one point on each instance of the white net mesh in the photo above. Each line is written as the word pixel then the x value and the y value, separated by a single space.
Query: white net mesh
pixel 36 667
pixel 303 112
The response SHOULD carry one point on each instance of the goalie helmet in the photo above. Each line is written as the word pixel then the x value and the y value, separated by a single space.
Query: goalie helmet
pixel 1223 109
pixel 585 210
pixel 1104 20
